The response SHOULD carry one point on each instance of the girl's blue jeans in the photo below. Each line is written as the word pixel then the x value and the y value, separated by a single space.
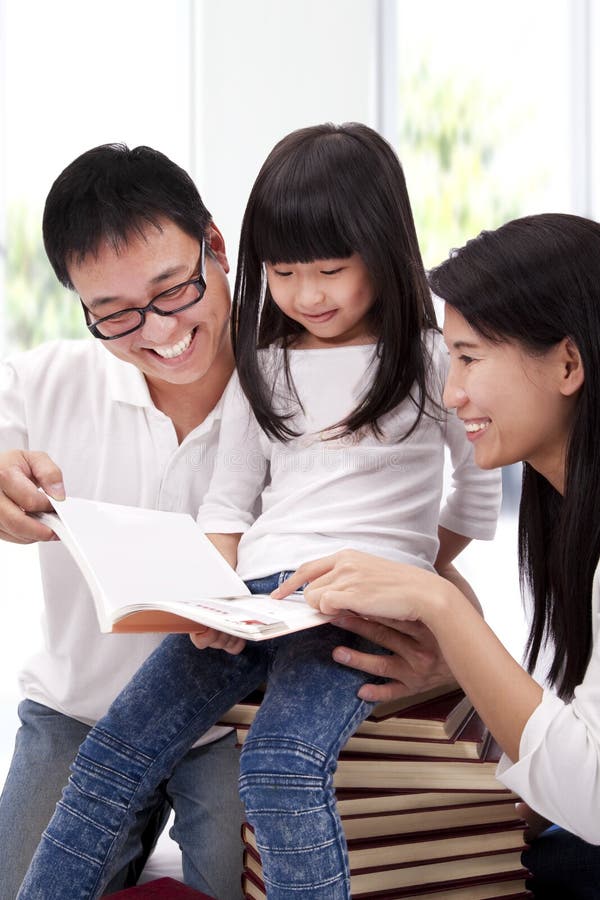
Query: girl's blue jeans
pixel 288 760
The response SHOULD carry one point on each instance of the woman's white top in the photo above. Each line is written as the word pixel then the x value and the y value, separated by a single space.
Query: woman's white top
pixel 558 772
pixel 318 496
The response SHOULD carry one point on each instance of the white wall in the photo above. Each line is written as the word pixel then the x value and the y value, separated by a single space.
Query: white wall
pixel 283 66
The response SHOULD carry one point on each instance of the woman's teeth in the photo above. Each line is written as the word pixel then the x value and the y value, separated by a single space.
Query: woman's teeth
pixel 476 426
pixel 175 349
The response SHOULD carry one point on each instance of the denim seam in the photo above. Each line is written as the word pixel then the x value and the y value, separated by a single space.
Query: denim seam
pixel 111 741
pixel 97 768
pixel 309 811
pixel 90 821
pixel 97 797
pixel 285 851
pixel 303 887
pixel 70 850
pixel 298 747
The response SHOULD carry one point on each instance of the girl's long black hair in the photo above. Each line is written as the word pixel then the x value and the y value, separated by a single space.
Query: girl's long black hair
pixel 326 192
pixel 535 281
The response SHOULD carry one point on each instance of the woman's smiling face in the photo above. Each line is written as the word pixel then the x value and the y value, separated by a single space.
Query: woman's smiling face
pixel 515 406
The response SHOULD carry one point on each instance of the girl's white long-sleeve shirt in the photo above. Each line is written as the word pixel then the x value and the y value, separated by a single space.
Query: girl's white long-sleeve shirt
pixel 316 496
pixel 558 771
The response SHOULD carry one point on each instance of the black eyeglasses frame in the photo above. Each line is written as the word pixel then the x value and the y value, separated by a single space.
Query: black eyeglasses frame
pixel 199 280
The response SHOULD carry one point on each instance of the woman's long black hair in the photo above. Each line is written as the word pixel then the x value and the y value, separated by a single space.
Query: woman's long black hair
pixel 535 281
pixel 326 192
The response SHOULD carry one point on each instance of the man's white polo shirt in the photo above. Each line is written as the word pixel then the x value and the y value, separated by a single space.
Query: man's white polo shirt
pixel 93 415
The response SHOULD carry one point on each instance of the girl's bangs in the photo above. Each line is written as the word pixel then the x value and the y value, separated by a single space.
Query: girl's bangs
pixel 296 228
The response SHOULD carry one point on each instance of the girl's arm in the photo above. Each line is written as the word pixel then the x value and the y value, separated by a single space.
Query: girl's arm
pixel 227 545
pixel 451 545
pixel 230 504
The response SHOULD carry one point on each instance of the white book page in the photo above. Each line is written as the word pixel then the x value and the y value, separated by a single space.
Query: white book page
pixel 143 556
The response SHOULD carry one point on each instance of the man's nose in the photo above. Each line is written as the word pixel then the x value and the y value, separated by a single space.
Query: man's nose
pixel 158 328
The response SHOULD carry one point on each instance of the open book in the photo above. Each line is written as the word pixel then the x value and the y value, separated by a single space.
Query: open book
pixel 150 570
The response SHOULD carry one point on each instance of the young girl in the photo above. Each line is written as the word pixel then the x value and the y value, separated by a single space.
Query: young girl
pixel 341 404
pixel 523 330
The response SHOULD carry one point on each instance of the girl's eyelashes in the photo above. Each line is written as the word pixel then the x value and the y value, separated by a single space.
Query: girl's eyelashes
pixel 466 359
pixel 286 273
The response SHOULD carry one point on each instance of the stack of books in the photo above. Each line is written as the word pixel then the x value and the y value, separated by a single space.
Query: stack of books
pixel 423 814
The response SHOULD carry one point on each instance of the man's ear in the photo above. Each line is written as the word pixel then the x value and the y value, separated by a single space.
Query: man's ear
pixel 216 243
pixel 572 374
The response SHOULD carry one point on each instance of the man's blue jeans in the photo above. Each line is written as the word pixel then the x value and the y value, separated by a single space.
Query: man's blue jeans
pixel 202 789
pixel 287 763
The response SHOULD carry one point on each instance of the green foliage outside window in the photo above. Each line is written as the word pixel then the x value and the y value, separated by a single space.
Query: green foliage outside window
pixel 454 132
pixel 37 307
pixel 453 135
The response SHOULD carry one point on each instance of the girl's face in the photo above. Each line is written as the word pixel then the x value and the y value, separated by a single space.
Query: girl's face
pixel 329 298
pixel 515 406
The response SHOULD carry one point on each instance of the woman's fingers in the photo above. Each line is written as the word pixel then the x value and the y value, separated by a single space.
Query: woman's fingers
pixel 307 572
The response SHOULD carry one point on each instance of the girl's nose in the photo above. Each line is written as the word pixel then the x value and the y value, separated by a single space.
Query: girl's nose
pixel 310 295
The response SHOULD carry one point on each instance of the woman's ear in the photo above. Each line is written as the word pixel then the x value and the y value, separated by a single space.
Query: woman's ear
pixel 216 243
pixel 572 374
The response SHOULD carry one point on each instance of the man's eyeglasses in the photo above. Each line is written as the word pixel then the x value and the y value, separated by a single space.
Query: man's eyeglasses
pixel 175 299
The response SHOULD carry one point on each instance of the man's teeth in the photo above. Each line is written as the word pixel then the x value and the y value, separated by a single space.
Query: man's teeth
pixel 176 349
pixel 476 426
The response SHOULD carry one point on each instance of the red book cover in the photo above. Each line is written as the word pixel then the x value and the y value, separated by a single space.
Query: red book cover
pixel 162 887
pixel 436 708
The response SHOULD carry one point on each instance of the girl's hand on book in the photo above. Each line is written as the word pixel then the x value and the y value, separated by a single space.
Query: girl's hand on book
pixel 217 640
pixel 415 663
pixel 21 472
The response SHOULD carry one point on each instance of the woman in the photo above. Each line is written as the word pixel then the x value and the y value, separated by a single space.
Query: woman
pixel 522 328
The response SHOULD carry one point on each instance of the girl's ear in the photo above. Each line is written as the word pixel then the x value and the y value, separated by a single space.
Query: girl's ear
pixel 216 243
pixel 572 374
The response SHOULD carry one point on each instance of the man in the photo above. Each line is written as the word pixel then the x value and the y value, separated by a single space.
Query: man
pixel 131 417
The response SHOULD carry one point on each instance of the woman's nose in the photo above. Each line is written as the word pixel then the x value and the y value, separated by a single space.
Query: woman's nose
pixel 454 395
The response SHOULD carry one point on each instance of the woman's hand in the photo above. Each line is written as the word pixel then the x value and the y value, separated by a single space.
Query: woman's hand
pixel 415 663
pixel 367 585
pixel 218 640
pixel 391 595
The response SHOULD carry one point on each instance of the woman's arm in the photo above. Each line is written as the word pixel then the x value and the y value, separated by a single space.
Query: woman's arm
pixel 502 692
